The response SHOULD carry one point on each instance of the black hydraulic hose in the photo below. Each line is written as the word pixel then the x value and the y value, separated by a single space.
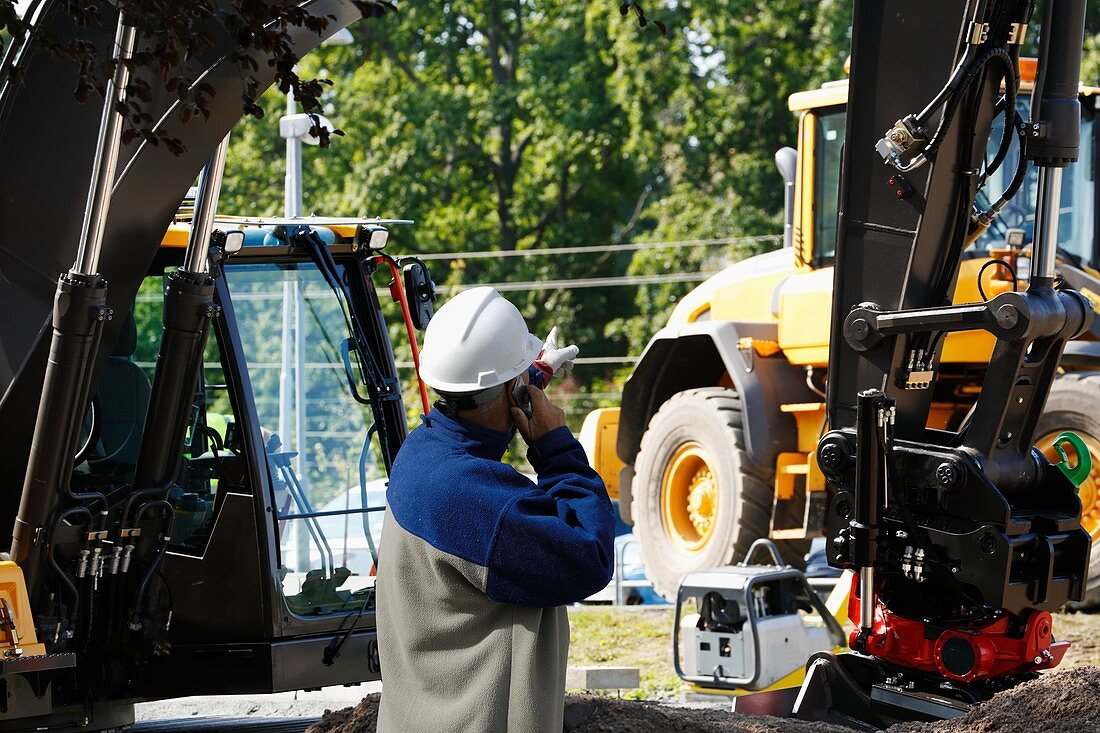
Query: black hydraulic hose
pixel 90 617
pixel 332 651
pixel 1017 179
pixel 1012 88
pixel 148 493
pixel 952 84
pixel 1011 115
pixel 956 76
pixel 141 495
pixel 971 74
pixel 61 574
pixel 169 521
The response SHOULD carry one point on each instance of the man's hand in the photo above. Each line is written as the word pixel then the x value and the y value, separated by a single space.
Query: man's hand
pixel 545 416
pixel 559 359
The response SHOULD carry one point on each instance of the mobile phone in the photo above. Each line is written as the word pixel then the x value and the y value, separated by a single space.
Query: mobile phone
pixel 521 398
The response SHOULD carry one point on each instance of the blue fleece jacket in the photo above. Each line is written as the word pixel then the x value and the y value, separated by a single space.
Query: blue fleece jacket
pixel 543 544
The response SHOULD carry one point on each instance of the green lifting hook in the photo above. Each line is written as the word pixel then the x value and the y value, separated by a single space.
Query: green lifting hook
pixel 1077 474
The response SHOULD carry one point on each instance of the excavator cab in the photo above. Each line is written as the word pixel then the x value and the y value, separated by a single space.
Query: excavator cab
pixel 198 422
pixel 268 544
pixel 282 478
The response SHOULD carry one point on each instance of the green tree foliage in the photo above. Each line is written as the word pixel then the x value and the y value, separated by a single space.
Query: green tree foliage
pixel 526 124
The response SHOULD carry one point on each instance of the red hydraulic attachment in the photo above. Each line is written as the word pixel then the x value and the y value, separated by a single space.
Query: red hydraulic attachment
pixel 397 292
pixel 966 653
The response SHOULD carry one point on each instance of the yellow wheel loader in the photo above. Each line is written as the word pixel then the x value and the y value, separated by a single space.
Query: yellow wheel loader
pixel 713 444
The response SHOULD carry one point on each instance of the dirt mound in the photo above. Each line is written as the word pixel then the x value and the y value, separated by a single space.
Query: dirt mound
pixel 591 714
pixel 363 718
pixel 1059 702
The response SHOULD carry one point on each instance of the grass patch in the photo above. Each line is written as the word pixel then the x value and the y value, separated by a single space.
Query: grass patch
pixel 642 637
pixel 627 637
pixel 1082 631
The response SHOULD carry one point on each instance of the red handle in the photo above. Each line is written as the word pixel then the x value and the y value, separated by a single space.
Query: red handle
pixel 397 292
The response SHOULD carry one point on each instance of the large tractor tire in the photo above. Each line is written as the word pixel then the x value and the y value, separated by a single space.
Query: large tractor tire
pixel 699 500
pixel 1074 404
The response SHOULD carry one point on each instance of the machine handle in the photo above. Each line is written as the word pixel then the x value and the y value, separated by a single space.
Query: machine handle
pixel 766 544
pixel 1077 474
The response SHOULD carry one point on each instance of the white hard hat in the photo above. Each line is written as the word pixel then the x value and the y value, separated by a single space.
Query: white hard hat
pixel 477 340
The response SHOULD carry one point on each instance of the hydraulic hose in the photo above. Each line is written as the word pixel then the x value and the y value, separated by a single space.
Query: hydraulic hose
pixel 169 521
pixel 61 574
pixel 1006 139
pixel 1017 179
pixel 971 74
pixel 952 84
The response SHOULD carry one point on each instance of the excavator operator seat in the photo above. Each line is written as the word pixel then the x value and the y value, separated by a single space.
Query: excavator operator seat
pixel 123 398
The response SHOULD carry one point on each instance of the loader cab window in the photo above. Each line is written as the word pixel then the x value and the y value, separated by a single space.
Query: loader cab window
pixel 326 472
pixel 1077 213
pixel 1077 217
pixel 828 145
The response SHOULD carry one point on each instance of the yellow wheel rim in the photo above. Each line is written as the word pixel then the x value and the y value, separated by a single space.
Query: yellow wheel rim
pixel 689 498
pixel 1089 490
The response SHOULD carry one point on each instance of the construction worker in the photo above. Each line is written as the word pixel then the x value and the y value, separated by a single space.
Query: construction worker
pixel 476 560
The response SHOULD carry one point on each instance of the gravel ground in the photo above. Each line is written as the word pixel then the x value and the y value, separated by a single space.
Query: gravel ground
pixel 281 704
pixel 1066 700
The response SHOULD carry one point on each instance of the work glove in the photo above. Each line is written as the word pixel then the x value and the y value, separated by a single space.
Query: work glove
pixel 555 357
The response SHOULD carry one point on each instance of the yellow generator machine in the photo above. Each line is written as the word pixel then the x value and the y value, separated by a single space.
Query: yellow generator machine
pixel 714 444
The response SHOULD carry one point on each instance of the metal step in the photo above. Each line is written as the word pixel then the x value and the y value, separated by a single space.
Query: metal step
pixel 215 723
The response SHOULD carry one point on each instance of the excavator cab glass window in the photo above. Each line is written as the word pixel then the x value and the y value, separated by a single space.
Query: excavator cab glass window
pixel 114 425
pixel 326 473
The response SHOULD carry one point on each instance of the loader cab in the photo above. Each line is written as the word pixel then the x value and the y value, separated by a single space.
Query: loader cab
pixel 821 139
pixel 278 503
pixel 802 298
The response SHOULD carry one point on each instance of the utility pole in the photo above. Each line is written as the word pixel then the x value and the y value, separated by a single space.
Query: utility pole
pixel 294 128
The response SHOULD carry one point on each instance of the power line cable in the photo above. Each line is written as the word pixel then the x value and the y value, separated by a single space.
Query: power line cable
pixel 584 282
pixel 629 247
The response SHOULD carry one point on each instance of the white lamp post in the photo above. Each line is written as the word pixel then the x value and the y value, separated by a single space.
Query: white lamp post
pixel 294 127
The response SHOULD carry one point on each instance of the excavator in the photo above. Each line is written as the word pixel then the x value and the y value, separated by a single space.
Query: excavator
pixel 962 541
pixel 198 412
